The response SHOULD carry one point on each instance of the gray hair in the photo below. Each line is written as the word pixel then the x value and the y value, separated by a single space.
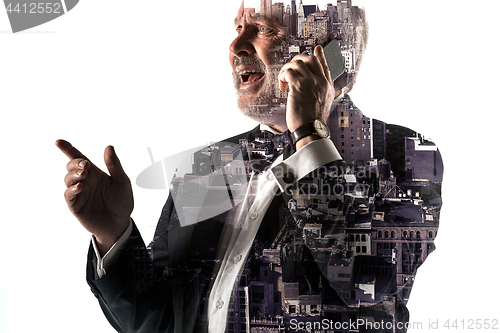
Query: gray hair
pixel 353 40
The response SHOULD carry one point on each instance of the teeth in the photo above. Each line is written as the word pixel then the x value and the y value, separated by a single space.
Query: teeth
pixel 249 71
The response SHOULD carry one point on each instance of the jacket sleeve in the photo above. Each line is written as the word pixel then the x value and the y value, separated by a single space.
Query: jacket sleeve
pixel 136 296
pixel 369 227
pixel 127 308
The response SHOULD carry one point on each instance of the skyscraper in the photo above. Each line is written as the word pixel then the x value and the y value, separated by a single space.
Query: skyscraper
pixel 342 6
pixel 300 20
pixel 278 11
pixel 331 12
pixel 265 7
pixel 293 25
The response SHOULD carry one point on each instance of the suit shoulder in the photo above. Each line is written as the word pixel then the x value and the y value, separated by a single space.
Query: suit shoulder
pixel 395 133
pixel 236 139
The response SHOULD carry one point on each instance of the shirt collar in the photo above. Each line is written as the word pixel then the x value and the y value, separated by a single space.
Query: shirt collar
pixel 269 129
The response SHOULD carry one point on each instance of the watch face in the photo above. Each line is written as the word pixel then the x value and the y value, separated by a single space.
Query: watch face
pixel 321 129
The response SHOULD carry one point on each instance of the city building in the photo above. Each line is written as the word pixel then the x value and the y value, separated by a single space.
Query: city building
pixel 353 140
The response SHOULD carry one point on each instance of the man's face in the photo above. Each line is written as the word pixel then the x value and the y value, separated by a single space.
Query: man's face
pixel 255 65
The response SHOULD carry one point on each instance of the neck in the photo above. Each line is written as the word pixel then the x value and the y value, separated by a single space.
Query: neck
pixel 277 128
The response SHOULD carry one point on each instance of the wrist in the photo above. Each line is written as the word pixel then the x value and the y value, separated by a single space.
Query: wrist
pixel 105 241
pixel 103 245
pixel 313 130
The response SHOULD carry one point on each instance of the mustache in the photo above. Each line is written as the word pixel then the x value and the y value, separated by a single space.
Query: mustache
pixel 249 61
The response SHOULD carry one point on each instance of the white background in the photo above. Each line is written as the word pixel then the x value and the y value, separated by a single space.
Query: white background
pixel 155 74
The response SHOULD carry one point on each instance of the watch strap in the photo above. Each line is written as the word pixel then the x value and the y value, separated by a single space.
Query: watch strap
pixel 303 131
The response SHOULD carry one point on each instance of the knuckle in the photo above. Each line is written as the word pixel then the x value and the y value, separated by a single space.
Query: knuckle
pixel 72 178
pixel 69 165
pixel 67 180
pixel 68 194
pixel 286 68
pixel 73 164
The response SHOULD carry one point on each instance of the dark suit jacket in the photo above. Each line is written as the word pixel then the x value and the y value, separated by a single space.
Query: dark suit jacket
pixel 336 255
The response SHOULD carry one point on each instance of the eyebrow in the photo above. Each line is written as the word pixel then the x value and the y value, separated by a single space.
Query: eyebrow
pixel 271 22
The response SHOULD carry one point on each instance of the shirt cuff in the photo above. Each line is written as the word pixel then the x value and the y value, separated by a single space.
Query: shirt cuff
pixel 106 261
pixel 305 160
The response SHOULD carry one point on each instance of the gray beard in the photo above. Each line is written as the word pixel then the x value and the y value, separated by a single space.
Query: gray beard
pixel 262 109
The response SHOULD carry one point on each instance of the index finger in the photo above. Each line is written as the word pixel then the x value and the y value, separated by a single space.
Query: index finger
pixel 318 52
pixel 68 150
pixel 312 63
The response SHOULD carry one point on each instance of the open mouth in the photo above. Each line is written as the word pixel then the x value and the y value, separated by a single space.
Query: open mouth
pixel 249 76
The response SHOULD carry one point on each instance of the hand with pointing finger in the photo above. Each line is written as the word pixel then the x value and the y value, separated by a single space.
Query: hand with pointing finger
pixel 311 90
pixel 101 202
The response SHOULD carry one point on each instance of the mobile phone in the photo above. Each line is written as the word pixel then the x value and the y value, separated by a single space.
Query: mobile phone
pixel 334 59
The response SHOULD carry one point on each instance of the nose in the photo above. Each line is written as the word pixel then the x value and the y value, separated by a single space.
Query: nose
pixel 243 43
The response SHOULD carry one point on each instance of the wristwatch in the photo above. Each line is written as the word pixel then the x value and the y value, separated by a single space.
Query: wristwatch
pixel 315 127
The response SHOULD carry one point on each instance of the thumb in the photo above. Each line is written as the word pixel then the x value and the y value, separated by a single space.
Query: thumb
pixel 114 166
pixel 283 83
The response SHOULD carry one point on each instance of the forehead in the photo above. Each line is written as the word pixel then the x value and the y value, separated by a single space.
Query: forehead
pixel 260 11
pixel 256 19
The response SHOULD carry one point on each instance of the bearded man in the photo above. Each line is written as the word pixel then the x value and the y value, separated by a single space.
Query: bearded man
pixel 272 230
